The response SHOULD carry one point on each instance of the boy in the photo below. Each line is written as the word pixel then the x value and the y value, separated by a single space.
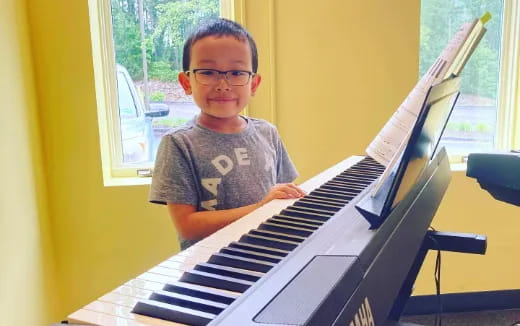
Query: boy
pixel 220 166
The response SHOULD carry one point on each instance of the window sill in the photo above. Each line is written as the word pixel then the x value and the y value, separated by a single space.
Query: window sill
pixel 457 167
pixel 126 181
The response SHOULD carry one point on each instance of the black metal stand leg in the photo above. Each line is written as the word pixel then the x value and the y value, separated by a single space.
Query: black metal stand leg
pixel 406 289
pixel 434 240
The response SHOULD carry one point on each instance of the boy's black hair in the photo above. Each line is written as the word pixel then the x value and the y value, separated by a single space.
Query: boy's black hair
pixel 219 27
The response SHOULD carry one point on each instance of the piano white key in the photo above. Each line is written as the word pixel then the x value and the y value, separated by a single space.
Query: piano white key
pixel 120 299
pixel 140 284
pixel 132 291
pixel 117 300
pixel 116 315
pixel 83 316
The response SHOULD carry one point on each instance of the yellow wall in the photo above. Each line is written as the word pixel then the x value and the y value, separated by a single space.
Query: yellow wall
pixel 102 235
pixel 339 70
pixel 28 294
pixel 467 208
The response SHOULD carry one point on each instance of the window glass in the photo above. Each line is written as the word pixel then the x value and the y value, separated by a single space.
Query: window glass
pixel 127 107
pixel 148 39
pixel 472 125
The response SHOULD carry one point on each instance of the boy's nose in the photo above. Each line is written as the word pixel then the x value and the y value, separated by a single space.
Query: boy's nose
pixel 222 83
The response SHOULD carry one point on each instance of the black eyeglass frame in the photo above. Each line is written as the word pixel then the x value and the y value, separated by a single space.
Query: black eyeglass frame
pixel 220 72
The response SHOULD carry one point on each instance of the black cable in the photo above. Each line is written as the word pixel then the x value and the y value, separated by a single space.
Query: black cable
pixel 437 276
pixel 438 285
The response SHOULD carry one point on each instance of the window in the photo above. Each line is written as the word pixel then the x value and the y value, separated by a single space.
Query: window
pixel 137 50
pixel 478 120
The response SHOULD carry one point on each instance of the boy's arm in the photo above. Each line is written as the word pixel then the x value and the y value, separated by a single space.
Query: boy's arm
pixel 194 225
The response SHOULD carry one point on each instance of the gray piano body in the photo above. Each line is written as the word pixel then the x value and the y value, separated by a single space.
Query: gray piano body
pixel 346 274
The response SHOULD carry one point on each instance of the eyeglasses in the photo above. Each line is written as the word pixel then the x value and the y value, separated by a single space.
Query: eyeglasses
pixel 209 77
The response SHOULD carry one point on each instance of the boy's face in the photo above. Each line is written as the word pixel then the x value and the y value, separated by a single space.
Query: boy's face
pixel 220 99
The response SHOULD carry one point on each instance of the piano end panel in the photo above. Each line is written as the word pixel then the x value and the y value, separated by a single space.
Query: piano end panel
pixel 400 237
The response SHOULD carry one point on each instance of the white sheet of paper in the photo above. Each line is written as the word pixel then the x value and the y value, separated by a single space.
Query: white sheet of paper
pixel 389 140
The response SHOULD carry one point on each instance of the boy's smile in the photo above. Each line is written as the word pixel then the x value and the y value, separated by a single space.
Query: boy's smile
pixel 219 101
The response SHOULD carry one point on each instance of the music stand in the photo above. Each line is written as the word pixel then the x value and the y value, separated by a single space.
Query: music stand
pixel 421 148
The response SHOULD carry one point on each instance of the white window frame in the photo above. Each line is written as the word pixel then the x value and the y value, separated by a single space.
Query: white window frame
pixel 115 173
pixel 508 118
pixel 507 134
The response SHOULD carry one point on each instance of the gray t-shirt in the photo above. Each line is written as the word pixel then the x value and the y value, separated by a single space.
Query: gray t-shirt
pixel 214 171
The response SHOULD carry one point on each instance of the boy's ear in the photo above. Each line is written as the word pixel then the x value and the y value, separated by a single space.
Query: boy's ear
pixel 184 80
pixel 255 83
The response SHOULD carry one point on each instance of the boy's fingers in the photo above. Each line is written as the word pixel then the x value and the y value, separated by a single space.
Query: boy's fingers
pixel 283 195
pixel 298 190
pixel 292 191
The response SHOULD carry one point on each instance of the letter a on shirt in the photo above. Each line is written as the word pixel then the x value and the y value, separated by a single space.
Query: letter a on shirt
pixel 211 185
pixel 208 204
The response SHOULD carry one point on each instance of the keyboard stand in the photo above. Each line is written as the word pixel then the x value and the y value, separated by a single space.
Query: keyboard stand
pixel 434 240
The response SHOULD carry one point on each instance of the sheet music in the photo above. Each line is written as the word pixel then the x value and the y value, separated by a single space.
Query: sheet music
pixel 391 141
pixel 386 145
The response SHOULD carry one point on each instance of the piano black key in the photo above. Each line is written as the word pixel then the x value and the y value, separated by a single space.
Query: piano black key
pixel 317 196
pixel 357 175
pixel 259 248
pixel 215 281
pixel 314 208
pixel 284 221
pixel 365 172
pixel 240 262
pixel 331 186
pixel 328 194
pixel 285 229
pixel 354 172
pixel 343 192
pixel 250 254
pixel 309 204
pixel 200 292
pixel 269 242
pixel 308 221
pixel 364 180
pixel 278 235
pixel 186 301
pixel 173 313
pixel 298 212
pixel 347 184
pixel 354 178
pixel 315 200
pixel 374 170
pixel 229 271
pixel 313 211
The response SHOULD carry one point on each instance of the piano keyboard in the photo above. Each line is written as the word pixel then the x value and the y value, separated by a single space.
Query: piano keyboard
pixel 197 284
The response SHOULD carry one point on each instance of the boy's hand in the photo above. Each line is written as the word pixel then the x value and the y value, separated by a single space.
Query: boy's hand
pixel 282 191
